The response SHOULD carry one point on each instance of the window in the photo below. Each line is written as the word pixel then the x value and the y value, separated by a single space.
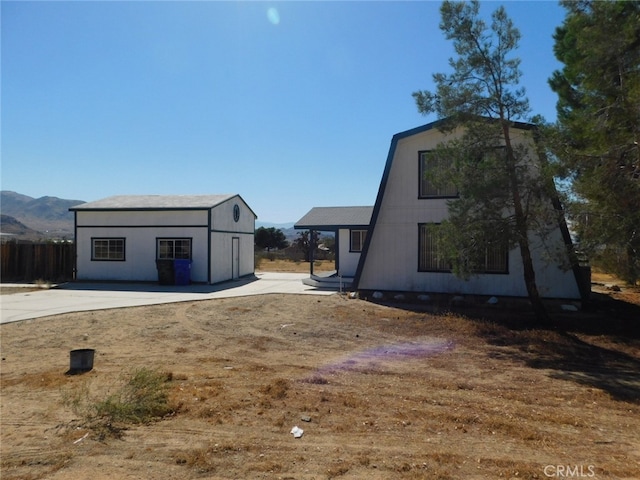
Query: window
pixel 174 248
pixel 107 249
pixel 430 260
pixel 357 240
pixel 430 166
pixel 496 259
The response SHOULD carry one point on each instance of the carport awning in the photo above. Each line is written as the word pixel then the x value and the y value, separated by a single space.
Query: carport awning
pixel 334 218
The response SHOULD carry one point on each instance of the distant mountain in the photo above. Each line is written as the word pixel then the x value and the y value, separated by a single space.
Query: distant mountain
pixel 287 229
pixel 12 228
pixel 280 226
pixel 48 215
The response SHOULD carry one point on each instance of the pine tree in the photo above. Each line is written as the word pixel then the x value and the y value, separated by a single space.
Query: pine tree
pixel 502 199
pixel 598 128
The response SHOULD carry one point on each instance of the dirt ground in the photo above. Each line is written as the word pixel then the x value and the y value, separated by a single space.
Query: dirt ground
pixel 283 265
pixel 381 391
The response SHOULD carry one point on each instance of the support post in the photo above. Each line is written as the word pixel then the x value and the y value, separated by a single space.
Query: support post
pixel 312 247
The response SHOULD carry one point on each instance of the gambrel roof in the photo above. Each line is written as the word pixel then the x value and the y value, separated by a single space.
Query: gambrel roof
pixel 441 125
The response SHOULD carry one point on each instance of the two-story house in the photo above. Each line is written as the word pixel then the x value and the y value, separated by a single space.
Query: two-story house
pixel 400 253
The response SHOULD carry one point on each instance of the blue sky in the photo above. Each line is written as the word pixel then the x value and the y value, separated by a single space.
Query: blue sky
pixel 290 104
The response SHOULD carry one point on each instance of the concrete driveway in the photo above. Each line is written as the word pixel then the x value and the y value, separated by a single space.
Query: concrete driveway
pixel 78 296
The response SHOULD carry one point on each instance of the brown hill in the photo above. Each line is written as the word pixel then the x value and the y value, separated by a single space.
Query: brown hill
pixel 14 229
pixel 48 215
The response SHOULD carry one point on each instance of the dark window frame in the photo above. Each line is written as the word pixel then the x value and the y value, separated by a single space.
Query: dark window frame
pixel 114 246
pixel 363 235
pixel 422 262
pixel 159 249
pixel 504 252
pixel 424 184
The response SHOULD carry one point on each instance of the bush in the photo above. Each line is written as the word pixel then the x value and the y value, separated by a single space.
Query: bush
pixel 143 397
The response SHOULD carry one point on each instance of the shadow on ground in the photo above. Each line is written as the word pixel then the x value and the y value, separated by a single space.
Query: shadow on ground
pixel 156 287
pixel 599 347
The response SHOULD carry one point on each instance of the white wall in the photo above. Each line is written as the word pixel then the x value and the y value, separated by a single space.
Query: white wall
pixel 224 228
pixel 392 259
pixel 194 218
pixel 141 229
pixel 221 256
pixel 140 252
pixel 348 260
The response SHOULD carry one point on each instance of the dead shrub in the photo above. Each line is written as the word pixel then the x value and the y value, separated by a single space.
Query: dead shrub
pixel 276 389
pixel 352 401
pixel 212 458
pixel 202 460
pixel 48 463
pixel 337 470
pixel 316 380
pixel 143 397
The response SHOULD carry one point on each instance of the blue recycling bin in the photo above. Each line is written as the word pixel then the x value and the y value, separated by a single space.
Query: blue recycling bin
pixel 182 271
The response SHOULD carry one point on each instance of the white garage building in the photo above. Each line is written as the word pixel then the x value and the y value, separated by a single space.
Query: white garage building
pixel 121 238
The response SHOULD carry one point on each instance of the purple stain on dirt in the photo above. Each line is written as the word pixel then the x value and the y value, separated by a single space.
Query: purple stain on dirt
pixel 390 352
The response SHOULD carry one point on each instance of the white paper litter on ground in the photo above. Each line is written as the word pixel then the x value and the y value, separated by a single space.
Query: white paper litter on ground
pixel 297 432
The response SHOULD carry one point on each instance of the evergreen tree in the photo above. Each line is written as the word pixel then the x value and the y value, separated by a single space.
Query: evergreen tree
pixel 598 128
pixel 270 238
pixel 503 198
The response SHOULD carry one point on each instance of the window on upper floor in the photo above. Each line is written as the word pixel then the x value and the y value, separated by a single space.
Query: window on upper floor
pixel 430 166
pixel 108 249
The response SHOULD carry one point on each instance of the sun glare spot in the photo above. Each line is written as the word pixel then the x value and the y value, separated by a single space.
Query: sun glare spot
pixel 273 16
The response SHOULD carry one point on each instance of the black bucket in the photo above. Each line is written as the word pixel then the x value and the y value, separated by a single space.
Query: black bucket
pixel 81 360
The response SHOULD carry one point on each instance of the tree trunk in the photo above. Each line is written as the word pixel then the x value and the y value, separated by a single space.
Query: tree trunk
pixel 632 269
pixel 523 234
pixel 530 280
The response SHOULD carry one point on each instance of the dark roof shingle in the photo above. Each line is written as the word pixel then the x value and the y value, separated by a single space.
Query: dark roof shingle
pixel 335 217
pixel 150 202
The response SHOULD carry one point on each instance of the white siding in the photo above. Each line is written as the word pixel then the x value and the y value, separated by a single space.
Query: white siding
pixel 211 247
pixel 222 217
pixel 348 260
pixel 140 252
pixel 141 218
pixel 392 259
pixel 222 256
pixel 224 228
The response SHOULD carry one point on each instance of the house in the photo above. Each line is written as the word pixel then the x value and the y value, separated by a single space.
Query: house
pixel 121 238
pixel 394 251
pixel 350 226
pixel 399 255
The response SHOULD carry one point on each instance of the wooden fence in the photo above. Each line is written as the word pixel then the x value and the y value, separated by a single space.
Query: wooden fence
pixel 28 262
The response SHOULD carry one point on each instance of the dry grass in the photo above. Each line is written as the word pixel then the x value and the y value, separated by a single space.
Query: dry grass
pixel 282 265
pixel 381 392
